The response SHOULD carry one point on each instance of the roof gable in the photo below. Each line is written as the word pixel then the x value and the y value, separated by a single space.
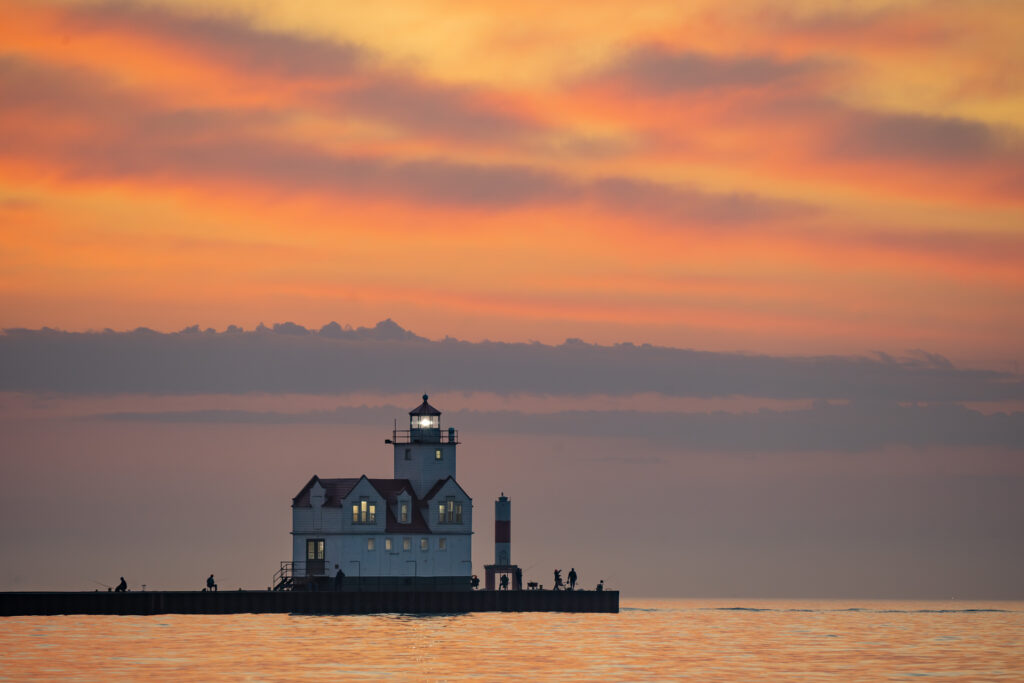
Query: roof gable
pixel 441 486
pixel 335 490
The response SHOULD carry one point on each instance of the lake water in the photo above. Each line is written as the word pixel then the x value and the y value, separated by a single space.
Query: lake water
pixel 700 640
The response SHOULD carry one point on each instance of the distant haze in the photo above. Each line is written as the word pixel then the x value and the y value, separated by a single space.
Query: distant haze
pixel 752 475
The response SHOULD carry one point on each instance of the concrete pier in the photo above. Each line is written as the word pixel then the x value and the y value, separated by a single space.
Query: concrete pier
pixel 300 602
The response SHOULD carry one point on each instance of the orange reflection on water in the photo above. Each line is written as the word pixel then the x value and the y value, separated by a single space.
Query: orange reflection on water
pixel 706 640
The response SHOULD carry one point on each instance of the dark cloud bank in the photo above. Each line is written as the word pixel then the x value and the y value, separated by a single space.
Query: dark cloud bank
pixel 288 358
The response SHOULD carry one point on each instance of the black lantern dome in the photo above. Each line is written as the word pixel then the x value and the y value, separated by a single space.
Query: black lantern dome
pixel 425 420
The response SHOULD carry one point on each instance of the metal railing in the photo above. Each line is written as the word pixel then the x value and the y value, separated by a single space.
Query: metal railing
pixel 402 436
pixel 284 577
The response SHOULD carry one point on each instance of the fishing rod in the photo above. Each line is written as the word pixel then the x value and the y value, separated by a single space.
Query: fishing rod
pixel 100 583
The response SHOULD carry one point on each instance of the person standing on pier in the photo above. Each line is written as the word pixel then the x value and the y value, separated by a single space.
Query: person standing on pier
pixel 572 578
pixel 339 578
pixel 558 579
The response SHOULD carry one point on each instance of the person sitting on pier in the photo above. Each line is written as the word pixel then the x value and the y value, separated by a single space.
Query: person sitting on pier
pixel 504 582
pixel 558 579
pixel 210 585
pixel 572 578
pixel 600 585
pixel 121 587
pixel 475 582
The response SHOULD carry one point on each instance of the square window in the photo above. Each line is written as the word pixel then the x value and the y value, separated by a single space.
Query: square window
pixel 406 543
pixel 371 544
pixel 442 543
pixel 424 544
pixel 387 544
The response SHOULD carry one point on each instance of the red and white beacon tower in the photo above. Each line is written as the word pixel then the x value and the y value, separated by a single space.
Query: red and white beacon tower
pixel 503 531
pixel 502 546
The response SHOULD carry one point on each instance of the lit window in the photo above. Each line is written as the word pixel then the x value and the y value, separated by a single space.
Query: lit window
pixel 437 454
pixel 315 549
pixel 450 512
pixel 371 544
pixel 424 544
pixel 404 513
pixel 387 544
pixel 406 543
pixel 364 512
pixel 442 543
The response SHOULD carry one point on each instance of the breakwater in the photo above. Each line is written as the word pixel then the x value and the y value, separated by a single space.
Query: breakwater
pixel 301 602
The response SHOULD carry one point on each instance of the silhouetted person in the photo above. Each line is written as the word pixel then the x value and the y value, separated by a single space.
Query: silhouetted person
pixel 474 582
pixel 121 587
pixel 519 579
pixel 339 578
pixel 600 585
pixel 572 578
pixel 558 579
pixel 504 582
pixel 210 585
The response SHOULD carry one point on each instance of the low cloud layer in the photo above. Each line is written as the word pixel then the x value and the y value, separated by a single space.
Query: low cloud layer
pixel 288 358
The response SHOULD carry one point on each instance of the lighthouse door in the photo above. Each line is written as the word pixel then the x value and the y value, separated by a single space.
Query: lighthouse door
pixel 314 556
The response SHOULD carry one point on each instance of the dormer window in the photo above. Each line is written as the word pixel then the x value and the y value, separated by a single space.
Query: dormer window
pixel 364 512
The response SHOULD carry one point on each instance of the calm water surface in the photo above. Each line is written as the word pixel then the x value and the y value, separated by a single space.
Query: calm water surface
pixel 705 640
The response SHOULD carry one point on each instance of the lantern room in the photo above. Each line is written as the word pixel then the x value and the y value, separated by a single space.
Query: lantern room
pixel 425 422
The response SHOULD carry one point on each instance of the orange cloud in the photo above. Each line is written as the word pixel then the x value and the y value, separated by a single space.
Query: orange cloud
pixel 713 177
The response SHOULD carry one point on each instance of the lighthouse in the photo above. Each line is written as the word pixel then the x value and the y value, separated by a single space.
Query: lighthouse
pixel 502 530
pixel 412 531
pixel 503 547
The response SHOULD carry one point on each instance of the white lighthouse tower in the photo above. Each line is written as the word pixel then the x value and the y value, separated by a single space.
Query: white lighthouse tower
pixel 425 454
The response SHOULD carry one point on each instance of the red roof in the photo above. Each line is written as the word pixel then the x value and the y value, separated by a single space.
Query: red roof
pixel 389 490
pixel 335 491
pixel 437 487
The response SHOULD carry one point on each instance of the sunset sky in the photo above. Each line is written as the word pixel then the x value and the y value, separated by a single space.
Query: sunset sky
pixel 785 177
pixel 824 198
